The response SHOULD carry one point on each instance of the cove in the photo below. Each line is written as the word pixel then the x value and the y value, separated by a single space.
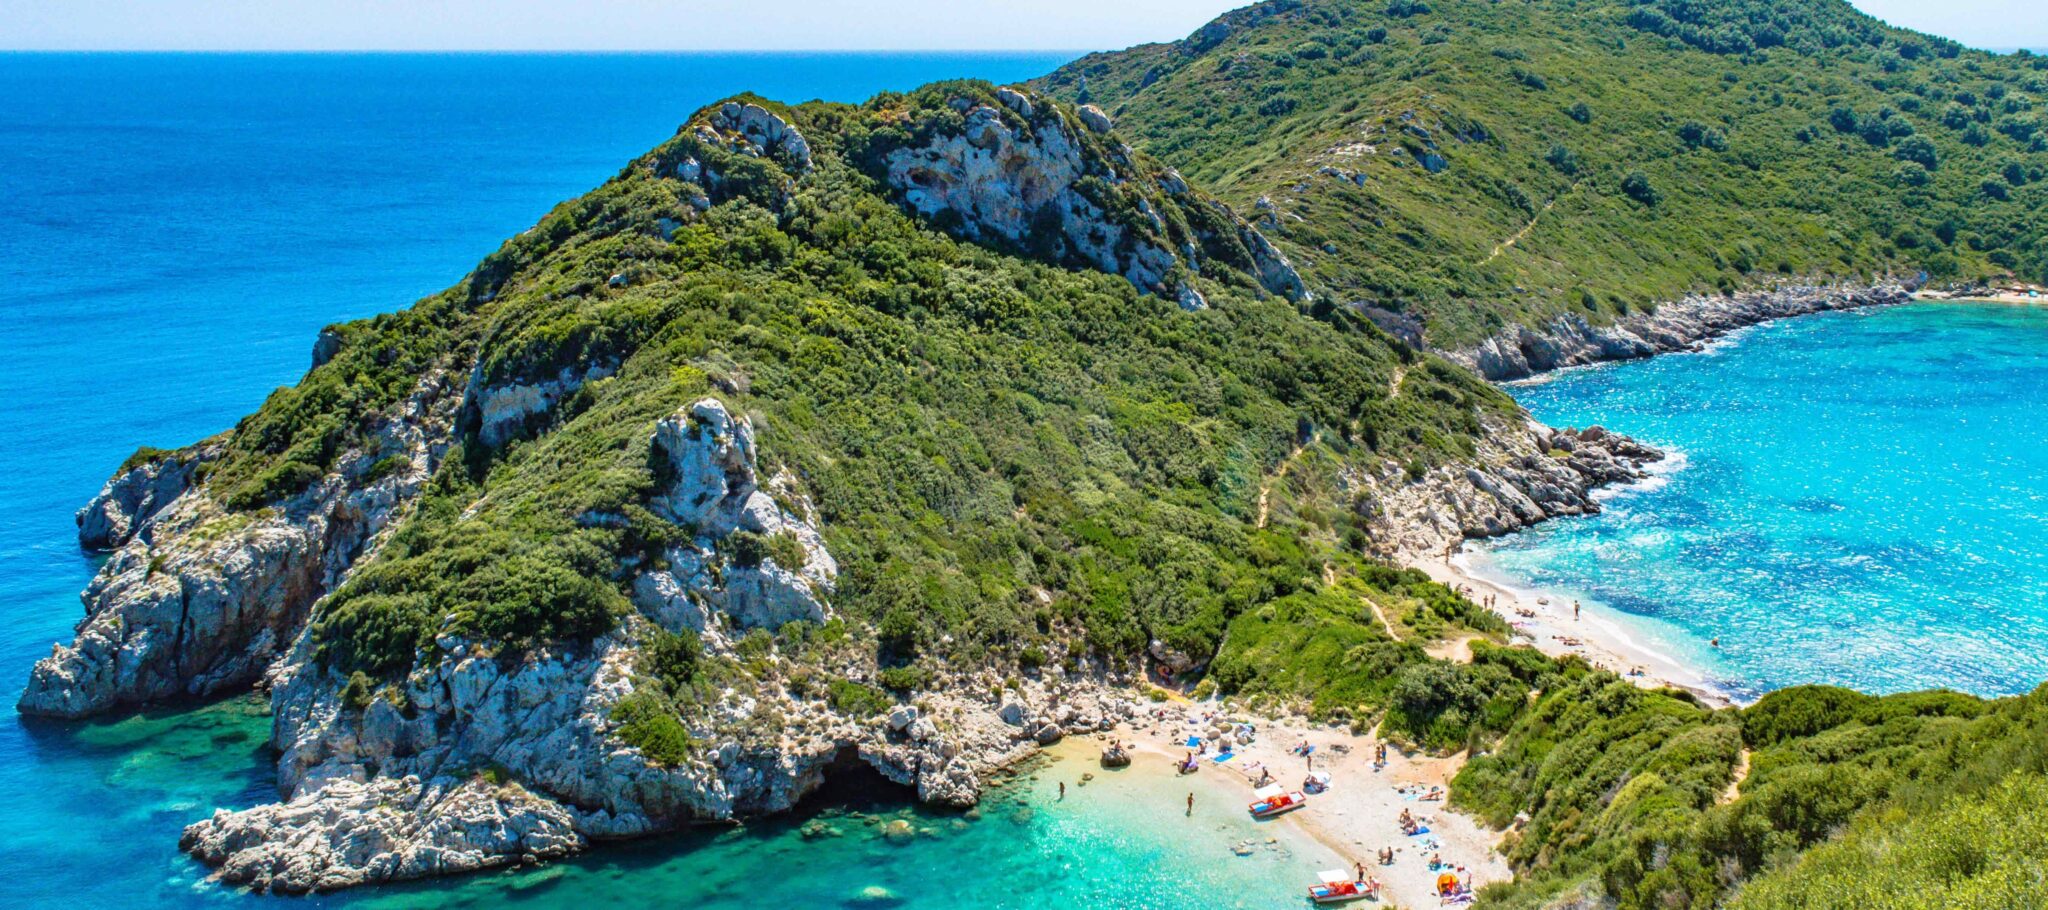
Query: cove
pixel 1856 498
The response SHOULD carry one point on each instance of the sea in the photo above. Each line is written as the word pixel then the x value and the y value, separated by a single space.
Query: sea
pixel 1857 498
pixel 179 226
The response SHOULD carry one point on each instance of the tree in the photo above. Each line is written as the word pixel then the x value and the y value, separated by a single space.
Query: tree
pixel 1918 150
pixel 1638 188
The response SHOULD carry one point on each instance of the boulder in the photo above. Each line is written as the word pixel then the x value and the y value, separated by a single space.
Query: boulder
pixel 1093 118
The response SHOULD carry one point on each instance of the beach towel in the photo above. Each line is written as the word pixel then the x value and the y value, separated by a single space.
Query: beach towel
pixel 1419 831
pixel 1194 742
pixel 1220 759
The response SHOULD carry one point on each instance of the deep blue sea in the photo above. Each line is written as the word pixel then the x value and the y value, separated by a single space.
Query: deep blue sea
pixel 1862 500
pixel 176 229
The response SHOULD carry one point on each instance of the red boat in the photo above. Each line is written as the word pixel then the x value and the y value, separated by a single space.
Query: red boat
pixel 1339 887
pixel 1271 801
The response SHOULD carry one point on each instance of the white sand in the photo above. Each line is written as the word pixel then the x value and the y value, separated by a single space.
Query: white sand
pixel 1356 817
pixel 2026 295
pixel 1551 628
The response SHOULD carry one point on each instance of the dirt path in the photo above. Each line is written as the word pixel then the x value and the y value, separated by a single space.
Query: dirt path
pixel 1741 774
pixel 1456 649
pixel 1503 246
pixel 1279 473
pixel 1330 578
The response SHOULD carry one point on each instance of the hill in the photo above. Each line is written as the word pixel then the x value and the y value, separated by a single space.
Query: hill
pixel 1472 165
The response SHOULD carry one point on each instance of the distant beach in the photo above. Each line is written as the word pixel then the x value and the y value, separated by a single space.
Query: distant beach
pixel 1548 622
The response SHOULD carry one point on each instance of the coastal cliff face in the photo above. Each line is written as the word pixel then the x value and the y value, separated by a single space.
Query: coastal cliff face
pixel 198 600
pixel 1026 173
pixel 1525 473
pixel 1681 325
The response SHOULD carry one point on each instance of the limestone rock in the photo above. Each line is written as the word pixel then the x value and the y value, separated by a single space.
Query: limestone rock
pixel 502 411
pixel 713 488
pixel 1681 325
pixel 1016 101
pixel 1016 174
pixel 348 833
pixel 1093 118
pixel 763 133
pixel 133 496
pixel 198 601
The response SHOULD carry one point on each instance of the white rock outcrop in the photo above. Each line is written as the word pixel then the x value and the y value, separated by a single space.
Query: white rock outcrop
pixel 351 833
pixel 131 497
pixel 1524 473
pixel 1018 174
pixel 713 488
pixel 754 130
pixel 1680 325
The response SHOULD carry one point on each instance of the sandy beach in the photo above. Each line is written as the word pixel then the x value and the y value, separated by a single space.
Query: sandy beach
pixel 1357 816
pixel 2023 295
pixel 1547 622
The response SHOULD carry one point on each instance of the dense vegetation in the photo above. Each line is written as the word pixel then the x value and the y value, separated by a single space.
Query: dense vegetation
pixel 1624 794
pixel 1473 163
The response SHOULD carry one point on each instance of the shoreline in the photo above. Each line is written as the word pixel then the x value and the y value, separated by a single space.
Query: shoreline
pixel 2027 296
pixel 1685 324
pixel 1543 620
pixel 1354 819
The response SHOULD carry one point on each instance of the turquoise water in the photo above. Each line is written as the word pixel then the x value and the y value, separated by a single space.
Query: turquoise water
pixel 1121 842
pixel 178 228
pixel 1863 501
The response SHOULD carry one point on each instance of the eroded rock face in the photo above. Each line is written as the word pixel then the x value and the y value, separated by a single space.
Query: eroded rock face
pixel 1018 175
pixel 753 129
pixel 1681 325
pixel 198 601
pixel 375 793
pixel 713 488
pixel 1525 473
pixel 504 411
pixel 133 496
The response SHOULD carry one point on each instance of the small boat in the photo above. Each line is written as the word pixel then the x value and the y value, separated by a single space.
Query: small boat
pixel 1339 887
pixel 1270 800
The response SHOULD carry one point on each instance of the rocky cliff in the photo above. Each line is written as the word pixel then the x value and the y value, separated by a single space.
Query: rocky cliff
pixel 198 600
pixel 1681 325
pixel 1525 473
pixel 1026 173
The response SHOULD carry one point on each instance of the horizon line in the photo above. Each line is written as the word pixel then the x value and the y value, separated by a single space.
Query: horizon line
pixel 547 50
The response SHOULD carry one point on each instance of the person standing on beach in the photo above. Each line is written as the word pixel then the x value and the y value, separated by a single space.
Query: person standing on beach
pixel 1191 804
pixel 1575 611
pixel 1063 790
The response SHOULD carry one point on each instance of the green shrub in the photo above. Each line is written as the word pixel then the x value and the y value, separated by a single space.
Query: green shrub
pixel 855 699
pixel 903 679
pixel 648 723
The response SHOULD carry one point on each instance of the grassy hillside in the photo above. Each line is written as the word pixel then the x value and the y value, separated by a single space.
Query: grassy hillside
pixel 1474 163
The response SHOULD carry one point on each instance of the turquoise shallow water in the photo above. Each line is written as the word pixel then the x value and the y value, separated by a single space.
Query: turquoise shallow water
pixel 1863 501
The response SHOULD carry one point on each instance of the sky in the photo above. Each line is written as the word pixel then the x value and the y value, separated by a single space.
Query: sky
pixel 737 24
